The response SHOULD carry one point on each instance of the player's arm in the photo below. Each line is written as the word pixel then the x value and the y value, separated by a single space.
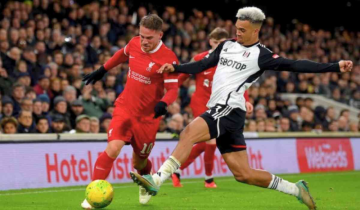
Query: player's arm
pixel 121 56
pixel 183 77
pixel 171 87
pixel 271 61
pixel 248 105
pixel 195 67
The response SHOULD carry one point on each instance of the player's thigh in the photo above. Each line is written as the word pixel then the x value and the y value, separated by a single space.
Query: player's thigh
pixel 144 135
pixel 114 147
pixel 120 127
pixel 196 131
pixel 238 164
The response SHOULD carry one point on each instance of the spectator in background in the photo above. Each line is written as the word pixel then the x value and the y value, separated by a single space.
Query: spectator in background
pixel 26 124
pixel 93 106
pixel 330 116
pixel 270 125
pixel 42 125
pixel 162 126
pixel 333 126
pixel 18 93
pixel 76 109
pixel 94 125
pixel 251 126
pixel 260 125
pixel 176 124
pixel 294 118
pixel 60 108
pixel 43 86
pixel 82 124
pixel 27 104
pixel 308 102
pixel 354 127
pixel 7 106
pixel 284 124
pixel 343 124
pixel 58 124
pixel 105 122
pixel 45 103
pixel 9 125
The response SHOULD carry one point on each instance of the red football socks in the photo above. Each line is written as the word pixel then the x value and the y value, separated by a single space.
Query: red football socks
pixel 209 158
pixel 195 152
pixel 103 166
pixel 146 169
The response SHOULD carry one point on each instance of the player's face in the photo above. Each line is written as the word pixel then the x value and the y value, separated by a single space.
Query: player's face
pixel 149 38
pixel 214 43
pixel 246 33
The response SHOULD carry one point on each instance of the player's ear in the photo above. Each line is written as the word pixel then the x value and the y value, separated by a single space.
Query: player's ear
pixel 161 34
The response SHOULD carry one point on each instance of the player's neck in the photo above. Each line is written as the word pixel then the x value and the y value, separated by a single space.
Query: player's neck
pixel 155 48
pixel 251 43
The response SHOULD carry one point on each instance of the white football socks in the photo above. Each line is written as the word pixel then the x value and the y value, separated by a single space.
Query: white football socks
pixel 284 186
pixel 166 170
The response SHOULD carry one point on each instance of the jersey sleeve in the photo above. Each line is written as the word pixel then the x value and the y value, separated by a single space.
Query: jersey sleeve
pixel 203 64
pixel 182 78
pixel 121 56
pixel 246 96
pixel 270 61
pixel 171 85
pixel 118 58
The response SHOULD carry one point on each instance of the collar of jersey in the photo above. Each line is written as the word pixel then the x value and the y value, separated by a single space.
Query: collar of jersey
pixel 154 50
pixel 252 44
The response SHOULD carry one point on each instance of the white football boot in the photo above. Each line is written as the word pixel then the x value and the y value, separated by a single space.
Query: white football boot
pixel 144 197
pixel 86 205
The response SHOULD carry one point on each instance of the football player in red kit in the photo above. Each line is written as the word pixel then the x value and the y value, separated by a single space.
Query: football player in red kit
pixel 137 110
pixel 198 105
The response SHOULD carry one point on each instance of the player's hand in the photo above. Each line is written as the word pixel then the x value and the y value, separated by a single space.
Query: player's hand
pixel 345 66
pixel 160 109
pixel 94 76
pixel 249 107
pixel 166 68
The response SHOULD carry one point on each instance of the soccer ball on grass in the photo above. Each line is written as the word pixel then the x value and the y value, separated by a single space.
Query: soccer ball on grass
pixel 99 193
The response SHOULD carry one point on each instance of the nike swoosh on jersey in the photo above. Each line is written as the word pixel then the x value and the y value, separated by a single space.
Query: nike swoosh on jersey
pixel 131 56
pixel 207 72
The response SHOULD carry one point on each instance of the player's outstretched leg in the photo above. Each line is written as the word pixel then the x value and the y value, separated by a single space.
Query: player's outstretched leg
pixel 196 131
pixel 104 164
pixel 209 163
pixel 143 167
pixel 239 166
pixel 195 152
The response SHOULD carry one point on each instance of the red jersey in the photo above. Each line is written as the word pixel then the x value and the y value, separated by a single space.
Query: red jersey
pixel 144 86
pixel 203 82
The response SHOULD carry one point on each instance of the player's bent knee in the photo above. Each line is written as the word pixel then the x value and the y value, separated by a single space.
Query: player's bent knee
pixel 114 147
pixel 243 177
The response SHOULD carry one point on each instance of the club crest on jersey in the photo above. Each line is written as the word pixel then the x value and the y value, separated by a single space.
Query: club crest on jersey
pixel 246 54
pixel 151 64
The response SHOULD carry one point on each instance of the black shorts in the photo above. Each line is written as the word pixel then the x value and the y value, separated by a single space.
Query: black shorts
pixel 226 125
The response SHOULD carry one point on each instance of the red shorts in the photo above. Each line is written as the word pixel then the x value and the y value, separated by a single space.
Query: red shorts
pixel 139 131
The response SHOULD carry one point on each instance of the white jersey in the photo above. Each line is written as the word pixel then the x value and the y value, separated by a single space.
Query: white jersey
pixel 238 67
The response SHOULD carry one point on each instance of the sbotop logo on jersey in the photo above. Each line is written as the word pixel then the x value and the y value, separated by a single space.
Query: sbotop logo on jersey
pixel 231 63
pixel 325 155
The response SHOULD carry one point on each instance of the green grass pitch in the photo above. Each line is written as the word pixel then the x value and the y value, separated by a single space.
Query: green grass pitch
pixel 330 191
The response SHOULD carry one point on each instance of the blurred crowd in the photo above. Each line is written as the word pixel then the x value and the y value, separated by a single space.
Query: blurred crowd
pixel 47 46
